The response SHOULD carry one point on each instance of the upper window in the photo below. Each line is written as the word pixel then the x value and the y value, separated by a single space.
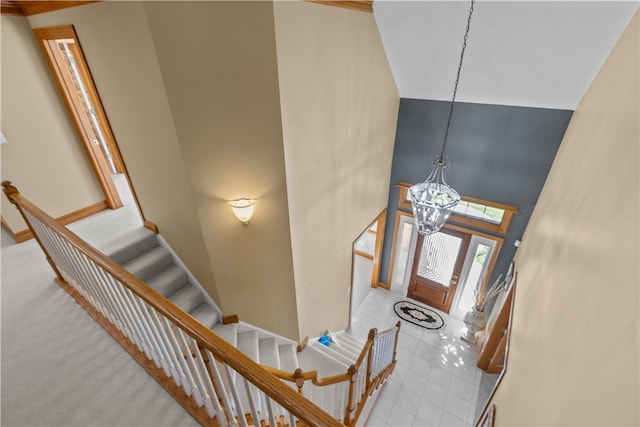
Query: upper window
pixel 71 73
pixel 480 211
pixel 471 211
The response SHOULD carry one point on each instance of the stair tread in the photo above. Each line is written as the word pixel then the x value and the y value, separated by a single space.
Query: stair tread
pixel 348 347
pixel 313 359
pixel 332 353
pixel 206 314
pixel 341 342
pixel 125 247
pixel 187 298
pixel 268 351
pixel 347 344
pixel 350 339
pixel 149 263
pixel 288 357
pixel 228 332
pixel 248 344
pixel 346 352
pixel 169 280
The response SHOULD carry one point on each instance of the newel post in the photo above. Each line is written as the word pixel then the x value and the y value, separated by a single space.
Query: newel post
pixel 395 344
pixel 13 195
pixel 9 190
pixel 353 372
pixel 372 335
pixel 299 379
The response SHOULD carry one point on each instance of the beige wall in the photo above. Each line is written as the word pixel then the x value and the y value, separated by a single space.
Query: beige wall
pixel 195 96
pixel 117 44
pixel 575 340
pixel 339 110
pixel 44 157
pixel 218 63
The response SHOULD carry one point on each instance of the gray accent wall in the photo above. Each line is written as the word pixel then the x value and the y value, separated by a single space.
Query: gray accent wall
pixel 497 153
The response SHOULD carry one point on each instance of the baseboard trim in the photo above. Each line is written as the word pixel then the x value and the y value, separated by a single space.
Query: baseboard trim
pixel 383 285
pixel 24 235
pixel 6 228
pixel 177 392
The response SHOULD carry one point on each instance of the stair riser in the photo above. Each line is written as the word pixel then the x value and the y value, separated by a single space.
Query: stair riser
pixel 187 298
pixel 135 249
pixel 149 264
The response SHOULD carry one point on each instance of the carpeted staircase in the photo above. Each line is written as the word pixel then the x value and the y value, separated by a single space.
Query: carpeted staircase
pixel 149 258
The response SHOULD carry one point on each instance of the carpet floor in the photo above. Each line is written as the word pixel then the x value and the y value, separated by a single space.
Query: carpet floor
pixel 59 368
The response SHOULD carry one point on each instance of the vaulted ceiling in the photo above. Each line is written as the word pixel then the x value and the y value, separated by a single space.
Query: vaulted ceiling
pixel 525 53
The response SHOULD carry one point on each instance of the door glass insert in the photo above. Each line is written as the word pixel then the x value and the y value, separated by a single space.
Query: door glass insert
pixel 63 49
pixel 438 257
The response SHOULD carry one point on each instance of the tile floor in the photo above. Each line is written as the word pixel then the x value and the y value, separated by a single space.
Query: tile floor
pixel 435 382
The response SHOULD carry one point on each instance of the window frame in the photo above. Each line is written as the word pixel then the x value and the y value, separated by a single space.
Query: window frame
pixel 501 228
pixel 96 157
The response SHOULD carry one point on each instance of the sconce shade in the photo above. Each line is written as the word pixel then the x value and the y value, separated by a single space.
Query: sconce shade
pixel 243 209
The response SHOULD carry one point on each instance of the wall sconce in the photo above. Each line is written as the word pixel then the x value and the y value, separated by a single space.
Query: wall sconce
pixel 243 209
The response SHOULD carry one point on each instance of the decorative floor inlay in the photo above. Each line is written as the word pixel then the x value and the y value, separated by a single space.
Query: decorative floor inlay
pixel 418 315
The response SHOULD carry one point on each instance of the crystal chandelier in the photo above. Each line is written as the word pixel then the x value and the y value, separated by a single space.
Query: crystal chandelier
pixel 433 201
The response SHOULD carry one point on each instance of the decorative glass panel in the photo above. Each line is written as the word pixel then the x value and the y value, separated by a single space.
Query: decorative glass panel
pixel 438 257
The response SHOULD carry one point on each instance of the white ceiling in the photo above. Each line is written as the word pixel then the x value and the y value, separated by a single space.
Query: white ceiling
pixel 524 53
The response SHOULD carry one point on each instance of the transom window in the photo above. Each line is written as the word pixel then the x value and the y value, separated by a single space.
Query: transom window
pixel 480 211
pixel 471 211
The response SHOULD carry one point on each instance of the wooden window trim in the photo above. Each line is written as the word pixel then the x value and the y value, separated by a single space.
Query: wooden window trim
pixel 364 254
pixel 377 257
pixel 360 5
pixel 501 228
pixel 34 7
pixel 396 224
pixel 492 262
pixel 98 162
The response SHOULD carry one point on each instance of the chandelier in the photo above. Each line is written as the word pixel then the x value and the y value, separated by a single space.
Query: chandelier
pixel 433 200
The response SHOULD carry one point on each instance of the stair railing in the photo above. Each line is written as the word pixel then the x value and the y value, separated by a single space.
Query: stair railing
pixel 351 389
pixel 216 383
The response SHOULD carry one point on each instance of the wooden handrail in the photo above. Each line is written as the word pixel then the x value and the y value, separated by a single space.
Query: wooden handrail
pixel 366 355
pixel 313 375
pixel 307 376
pixel 307 412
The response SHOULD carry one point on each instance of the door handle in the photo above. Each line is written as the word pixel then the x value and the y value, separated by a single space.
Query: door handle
pixel 454 279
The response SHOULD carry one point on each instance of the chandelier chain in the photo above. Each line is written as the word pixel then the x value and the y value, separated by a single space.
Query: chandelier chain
pixel 455 87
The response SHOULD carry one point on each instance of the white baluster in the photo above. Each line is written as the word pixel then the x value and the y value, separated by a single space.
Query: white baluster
pixel 191 368
pixel 202 377
pixel 222 391
pixel 252 403
pixel 239 411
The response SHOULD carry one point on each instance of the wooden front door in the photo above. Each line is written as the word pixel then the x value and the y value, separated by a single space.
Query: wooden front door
pixel 436 267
